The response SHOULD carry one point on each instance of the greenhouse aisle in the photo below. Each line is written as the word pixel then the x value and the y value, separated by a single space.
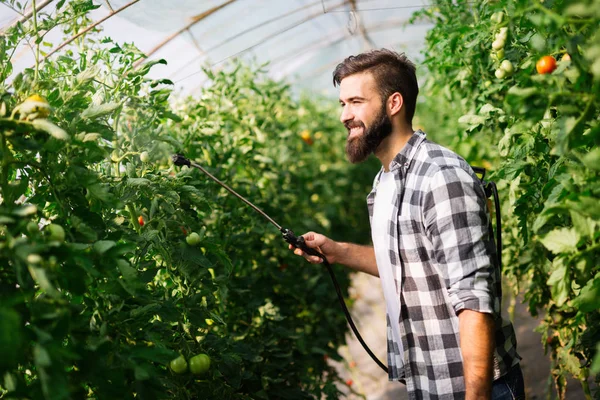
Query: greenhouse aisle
pixel 370 382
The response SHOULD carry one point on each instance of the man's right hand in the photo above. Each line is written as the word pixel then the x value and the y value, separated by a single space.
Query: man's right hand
pixel 319 242
pixel 358 257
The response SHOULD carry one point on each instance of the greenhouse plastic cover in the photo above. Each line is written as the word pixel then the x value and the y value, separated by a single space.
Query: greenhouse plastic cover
pixel 302 40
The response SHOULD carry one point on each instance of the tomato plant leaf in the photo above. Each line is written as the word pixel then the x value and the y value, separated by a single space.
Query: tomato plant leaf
pixel 95 111
pixel 102 246
pixel 588 299
pixel 47 126
pixel 559 282
pixel 41 278
pixel 561 240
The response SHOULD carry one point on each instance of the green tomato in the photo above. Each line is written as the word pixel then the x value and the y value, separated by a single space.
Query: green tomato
pixel 32 228
pixel 178 365
pixel 144 157
pixel 500 73
pixel 500 54
pixel 34 258
pixel 497 17
pixel 115 156
pixel 502 34
pixel 199 364
pixel 193 239
pixel 498 44
pixel 507 66
pixel 56 233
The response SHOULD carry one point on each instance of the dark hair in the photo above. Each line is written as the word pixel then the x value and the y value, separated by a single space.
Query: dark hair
pixel 393 72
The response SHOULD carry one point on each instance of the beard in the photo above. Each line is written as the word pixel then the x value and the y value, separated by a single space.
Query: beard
pixel 359 148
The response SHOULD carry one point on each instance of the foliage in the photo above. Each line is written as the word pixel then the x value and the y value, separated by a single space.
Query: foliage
pixel 539 133
pixel 101 311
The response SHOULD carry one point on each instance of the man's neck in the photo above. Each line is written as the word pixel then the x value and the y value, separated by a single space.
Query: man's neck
pixel 392 145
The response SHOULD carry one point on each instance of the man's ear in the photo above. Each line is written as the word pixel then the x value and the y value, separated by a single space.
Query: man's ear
pixel 395 103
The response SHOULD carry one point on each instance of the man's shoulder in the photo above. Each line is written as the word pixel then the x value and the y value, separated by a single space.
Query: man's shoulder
pixel 432 158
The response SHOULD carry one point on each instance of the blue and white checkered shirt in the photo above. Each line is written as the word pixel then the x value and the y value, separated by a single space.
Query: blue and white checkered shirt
pixel 444 261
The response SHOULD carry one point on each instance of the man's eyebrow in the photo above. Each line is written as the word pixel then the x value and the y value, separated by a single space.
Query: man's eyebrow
pixel 352 98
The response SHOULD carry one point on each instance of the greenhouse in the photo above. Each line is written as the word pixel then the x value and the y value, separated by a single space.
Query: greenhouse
pixel 301 199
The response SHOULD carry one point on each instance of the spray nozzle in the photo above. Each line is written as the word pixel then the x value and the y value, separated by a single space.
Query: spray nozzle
pixel 180 160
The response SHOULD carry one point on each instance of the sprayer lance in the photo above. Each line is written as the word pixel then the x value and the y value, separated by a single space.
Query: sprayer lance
pixel 180 160
pixel 288 234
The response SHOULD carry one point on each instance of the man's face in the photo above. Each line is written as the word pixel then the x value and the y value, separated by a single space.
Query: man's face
pixel 364 116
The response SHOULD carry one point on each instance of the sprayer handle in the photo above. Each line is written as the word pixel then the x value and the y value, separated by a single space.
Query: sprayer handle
pixel 298 241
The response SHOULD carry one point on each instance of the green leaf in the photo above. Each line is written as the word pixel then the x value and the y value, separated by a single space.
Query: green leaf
pixel 47 126
pixel 99 110
pixel 41 356
pixel 25 210
pixel 11 338
pixel 129 273
pixel 472 119
pixel 87 75
pixel 561 240
pixel 138 182
pixel 585 226
pixel 41 278
pixel 559 282
pixel 589 297
pixel 592 159
pixel 546 215
pixel 522 92
pixel 596 362
pixel 102 246
pixel 568 361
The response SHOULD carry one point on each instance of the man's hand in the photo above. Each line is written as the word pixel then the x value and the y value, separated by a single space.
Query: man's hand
pixel 319 242
pixel 357 257
pixel 477 346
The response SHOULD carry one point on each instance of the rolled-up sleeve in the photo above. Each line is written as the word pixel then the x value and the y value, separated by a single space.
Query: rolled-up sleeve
pixel 456 221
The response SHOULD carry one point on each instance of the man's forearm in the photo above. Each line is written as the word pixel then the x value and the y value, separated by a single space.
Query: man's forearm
pixel 477 347
pixel 358 257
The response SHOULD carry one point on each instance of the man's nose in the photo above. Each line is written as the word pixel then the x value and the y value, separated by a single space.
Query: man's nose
pixel 346 115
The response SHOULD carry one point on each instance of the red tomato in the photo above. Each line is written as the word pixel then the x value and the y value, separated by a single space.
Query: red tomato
pixel 305 135
pixel 141 220
pixel 545 65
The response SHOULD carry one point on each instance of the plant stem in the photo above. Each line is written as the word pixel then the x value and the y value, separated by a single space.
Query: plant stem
pixel 5 154
pixel 37 45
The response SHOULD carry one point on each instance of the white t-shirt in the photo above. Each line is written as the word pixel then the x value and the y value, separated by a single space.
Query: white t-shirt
pixel 383 208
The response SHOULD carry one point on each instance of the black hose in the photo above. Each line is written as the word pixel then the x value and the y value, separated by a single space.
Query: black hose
pixel 300 243
pixel 494 191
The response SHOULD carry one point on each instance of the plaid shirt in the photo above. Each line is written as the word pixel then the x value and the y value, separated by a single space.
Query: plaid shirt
pixel 443 260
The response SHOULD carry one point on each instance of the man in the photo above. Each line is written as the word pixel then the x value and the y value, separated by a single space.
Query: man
pixel 431 243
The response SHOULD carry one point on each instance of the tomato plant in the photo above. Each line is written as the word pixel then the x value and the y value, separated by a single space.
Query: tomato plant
pixel 538 133
pixel 100 291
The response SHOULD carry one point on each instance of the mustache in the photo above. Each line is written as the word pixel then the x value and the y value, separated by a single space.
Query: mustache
pixel 354 124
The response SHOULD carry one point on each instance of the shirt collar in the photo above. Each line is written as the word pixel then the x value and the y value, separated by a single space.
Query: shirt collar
pixel 406 155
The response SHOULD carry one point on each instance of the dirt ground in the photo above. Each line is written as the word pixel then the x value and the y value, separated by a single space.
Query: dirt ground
pixel 369 382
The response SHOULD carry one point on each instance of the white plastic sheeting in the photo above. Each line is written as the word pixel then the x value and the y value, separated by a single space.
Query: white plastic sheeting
pixel 302 40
